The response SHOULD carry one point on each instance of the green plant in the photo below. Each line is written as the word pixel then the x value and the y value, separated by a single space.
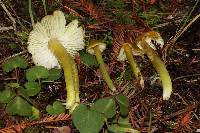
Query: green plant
pixel 55 109
pixel 16 96
pixel 151 17
pixel 91 118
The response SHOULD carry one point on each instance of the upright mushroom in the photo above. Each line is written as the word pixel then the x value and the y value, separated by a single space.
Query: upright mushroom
pixel 146 43
pixel 53 44
pixel 126 53
pixel 96 48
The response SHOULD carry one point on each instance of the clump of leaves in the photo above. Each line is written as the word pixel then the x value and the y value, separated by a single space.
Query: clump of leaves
pixel 90 119
pixel 55 109
pixel 151 17
pixel 17 96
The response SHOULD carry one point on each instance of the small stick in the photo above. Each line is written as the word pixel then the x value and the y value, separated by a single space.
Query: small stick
pixel 9 15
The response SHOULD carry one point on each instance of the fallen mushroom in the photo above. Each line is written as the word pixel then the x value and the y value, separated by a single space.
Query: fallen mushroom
pixel 146 43
pixel 126 53
pixel 96 48
pixel 53 44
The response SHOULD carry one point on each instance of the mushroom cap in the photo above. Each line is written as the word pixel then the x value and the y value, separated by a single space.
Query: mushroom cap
pixel 152 38
pixel 95 43
pixel 122 55
pixel 54 27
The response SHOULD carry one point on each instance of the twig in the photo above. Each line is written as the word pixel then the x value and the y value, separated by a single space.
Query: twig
pixel 186 76
pixel 9 15
pixel 45 7
pixel 6 28
pixel 31 12
pixel 182 29
pixel 20 53
pixel 73 12
pixel 175 114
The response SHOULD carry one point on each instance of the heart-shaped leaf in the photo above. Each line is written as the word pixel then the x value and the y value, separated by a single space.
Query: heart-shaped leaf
pixel 15 62
pixel 106 106
pixel 87 120
pixel 32 88
pixel 88 59
pixel 19 106
pixel 6 95
pixel 123 102
pixel 36 73
pixel 56 108
pixel 54 74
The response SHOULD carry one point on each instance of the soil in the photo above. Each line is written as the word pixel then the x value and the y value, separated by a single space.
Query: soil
pixel 181 113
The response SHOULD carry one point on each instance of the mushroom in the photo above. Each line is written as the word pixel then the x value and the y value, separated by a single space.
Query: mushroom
pixel 96 48
pixel 53 44
pixel 146 43
pixel 126 53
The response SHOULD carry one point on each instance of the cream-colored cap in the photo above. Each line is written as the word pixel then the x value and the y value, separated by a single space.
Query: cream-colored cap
pixel 101 45
pixel 151 38
pixel 54 27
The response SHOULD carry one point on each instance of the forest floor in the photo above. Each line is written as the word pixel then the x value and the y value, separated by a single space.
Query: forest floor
pixel 147 110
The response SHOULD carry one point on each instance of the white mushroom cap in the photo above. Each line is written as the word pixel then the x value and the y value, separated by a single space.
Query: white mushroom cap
pixel 152 38
pixel 122 55
pixel 101 45
pixel 54 27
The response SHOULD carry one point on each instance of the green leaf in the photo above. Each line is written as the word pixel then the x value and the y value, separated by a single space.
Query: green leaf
pixel 128 75
pixel 6 95
pixel 56 109
pixel 87 120
pixel 13 63
pixel 37 73
pixel 35 114
pixel 106 106
pixel 124 122
pixel 123 102
pixel 19 106
pixel 32 88
pixel 115 128
pixel 88 59
pixel 54 74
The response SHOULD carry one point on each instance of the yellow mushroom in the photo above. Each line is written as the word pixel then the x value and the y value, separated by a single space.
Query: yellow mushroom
pixel 146 43
pixel 96 48
pixel 126 53
pixel 53 44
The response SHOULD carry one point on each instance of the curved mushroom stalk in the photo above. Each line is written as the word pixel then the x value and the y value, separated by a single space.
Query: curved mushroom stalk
pixel 69 68
pixel 127 52
pixel 159 65
pixel 96 48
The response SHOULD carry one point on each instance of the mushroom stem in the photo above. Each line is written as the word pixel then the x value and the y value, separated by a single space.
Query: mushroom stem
pixel 76 80
pixel 159 65
pixel 133 63
pixel 103 69
pixel 65 60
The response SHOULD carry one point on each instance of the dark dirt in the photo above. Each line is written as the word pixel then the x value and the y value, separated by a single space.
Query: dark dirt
pixel 180 114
